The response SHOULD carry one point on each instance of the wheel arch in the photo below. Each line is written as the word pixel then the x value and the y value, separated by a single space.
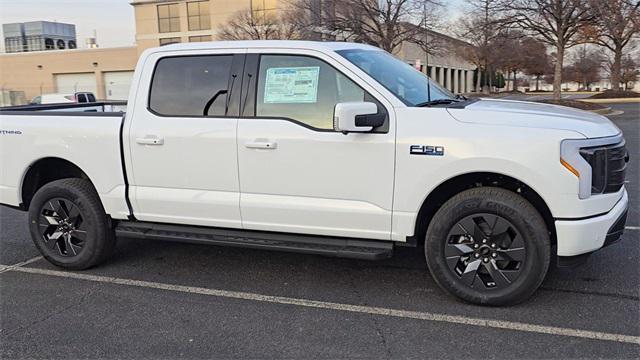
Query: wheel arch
pixel 46 170
pixel 455 185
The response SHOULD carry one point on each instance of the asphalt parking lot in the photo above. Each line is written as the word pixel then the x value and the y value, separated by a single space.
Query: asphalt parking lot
pixel 168 300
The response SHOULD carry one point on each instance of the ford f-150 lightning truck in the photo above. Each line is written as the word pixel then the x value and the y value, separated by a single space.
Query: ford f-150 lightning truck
pixel 337 149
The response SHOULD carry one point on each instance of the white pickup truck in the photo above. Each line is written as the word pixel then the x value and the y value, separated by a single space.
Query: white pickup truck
pixel 337 149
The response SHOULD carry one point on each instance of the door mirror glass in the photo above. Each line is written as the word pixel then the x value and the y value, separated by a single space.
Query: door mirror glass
pixel 357 117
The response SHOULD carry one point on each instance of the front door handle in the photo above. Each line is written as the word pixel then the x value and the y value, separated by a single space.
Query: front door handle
pixel 261 145
pixel 150 140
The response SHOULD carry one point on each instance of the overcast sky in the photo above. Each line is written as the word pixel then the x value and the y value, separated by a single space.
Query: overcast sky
pixel 113 20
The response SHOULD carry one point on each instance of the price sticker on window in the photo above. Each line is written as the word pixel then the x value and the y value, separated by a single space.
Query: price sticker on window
pixel 292 85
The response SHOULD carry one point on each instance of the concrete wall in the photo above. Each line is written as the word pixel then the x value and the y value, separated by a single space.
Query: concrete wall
pixel 35 73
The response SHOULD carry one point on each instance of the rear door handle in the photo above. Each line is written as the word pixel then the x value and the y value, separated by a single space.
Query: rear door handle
pixel 261 145
pixel 150 140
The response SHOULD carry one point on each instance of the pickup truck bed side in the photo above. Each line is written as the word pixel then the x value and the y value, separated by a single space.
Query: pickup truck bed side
pixel 93 147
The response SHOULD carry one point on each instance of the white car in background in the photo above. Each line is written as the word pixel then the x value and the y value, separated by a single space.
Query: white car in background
pixel 79 97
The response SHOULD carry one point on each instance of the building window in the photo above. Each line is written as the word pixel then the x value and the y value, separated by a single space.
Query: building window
pixel 169 41
pixel 200 38
pixel 198 13
pixel 168 18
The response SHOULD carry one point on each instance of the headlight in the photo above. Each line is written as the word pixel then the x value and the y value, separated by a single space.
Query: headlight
pixel 599 164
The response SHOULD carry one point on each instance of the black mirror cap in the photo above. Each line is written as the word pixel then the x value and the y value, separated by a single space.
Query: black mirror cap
pixel 370 120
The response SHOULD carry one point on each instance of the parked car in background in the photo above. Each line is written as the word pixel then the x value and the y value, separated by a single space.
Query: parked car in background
pixel 337 149
pixel 79 97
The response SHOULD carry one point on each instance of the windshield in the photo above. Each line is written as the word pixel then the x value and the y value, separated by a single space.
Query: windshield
pixel 404 81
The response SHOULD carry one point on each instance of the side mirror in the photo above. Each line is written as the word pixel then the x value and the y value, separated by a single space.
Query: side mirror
pixel 356 117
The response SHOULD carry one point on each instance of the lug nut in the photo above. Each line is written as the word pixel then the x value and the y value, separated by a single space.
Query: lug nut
pixel 493 245
pixel 485 259
pixel 484 241
pixel 477 255
pixel 494 255
pixel 475 246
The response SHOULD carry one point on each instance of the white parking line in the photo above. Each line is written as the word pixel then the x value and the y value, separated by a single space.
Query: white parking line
pixel 4 268
pixel 632 227
pixel 488 323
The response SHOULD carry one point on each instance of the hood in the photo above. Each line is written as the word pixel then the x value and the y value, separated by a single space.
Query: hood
pixel 535 115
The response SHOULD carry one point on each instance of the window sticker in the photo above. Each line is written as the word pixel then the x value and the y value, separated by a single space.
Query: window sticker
pixel 291 85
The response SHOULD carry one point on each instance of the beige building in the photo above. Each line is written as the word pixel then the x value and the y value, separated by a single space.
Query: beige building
pixel 162 22
pixel 107 72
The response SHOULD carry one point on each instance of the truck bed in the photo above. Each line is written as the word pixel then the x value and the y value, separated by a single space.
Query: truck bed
pixel 33 133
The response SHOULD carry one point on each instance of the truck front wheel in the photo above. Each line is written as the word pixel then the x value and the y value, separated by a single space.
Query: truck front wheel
pixel 488 246
pixel 69 226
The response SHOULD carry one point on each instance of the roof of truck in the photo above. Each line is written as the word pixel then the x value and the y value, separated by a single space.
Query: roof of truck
pixel 286 44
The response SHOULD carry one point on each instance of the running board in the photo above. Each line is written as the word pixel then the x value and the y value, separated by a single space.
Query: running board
pixel 307 244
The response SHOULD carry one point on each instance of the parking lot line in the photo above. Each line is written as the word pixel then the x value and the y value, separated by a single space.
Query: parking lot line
pixel 453 319
pixel 632 227
pixel 23 263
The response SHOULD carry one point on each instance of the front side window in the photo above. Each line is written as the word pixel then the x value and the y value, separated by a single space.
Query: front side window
pixel 191 86
pixel 198 13
pixel 168 18
pixel 303 89
pixel 408 84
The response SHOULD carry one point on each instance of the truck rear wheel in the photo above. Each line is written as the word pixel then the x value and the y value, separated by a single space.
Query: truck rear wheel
pixel 69 226
pixel 488 246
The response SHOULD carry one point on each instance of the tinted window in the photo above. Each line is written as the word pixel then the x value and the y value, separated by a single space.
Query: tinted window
pixel 191 86
pixel 408 84
pixel 81 98
pixel 302 88
pixel 91 97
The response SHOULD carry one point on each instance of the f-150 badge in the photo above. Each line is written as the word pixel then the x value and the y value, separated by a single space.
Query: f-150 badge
pixel 426 150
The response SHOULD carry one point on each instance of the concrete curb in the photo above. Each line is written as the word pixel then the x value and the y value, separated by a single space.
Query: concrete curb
pixel 612 101
pixel 602 111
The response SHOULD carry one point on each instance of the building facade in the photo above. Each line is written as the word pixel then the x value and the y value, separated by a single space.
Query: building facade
pixel 107 72
pixel 162 22
pixel 39 36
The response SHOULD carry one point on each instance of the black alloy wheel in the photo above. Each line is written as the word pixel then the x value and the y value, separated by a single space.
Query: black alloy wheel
pixel 63 227
pixel 488 246
pixel 69 226
pixel 485 251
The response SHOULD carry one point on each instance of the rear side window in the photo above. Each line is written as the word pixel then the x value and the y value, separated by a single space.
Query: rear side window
pixel 191 85
pixel 81 98
pixel 91 97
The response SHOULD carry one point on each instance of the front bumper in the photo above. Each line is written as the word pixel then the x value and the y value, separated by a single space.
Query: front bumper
pixel 576 237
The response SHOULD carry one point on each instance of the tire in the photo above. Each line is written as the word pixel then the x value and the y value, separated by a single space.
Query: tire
pixel 502 261
pixel 69 226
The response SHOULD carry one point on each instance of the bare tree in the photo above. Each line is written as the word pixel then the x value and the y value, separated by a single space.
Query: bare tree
pixel 556 22
pixel 383 23
pixel 630 72
pixel 258 25
pixel 615 24
pixel 480 28
pixel 586 67
pixel 536 60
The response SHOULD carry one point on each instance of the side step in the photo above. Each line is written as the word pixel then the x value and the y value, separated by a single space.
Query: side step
pixel 308 244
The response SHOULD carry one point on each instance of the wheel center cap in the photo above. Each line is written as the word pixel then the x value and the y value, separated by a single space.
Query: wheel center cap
pixel 485 250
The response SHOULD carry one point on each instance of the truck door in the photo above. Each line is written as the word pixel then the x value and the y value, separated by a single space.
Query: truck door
pixel 183 155
pixel 296 173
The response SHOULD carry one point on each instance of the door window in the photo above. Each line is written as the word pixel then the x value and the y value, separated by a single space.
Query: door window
pixel 302 88
pixel 191 86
